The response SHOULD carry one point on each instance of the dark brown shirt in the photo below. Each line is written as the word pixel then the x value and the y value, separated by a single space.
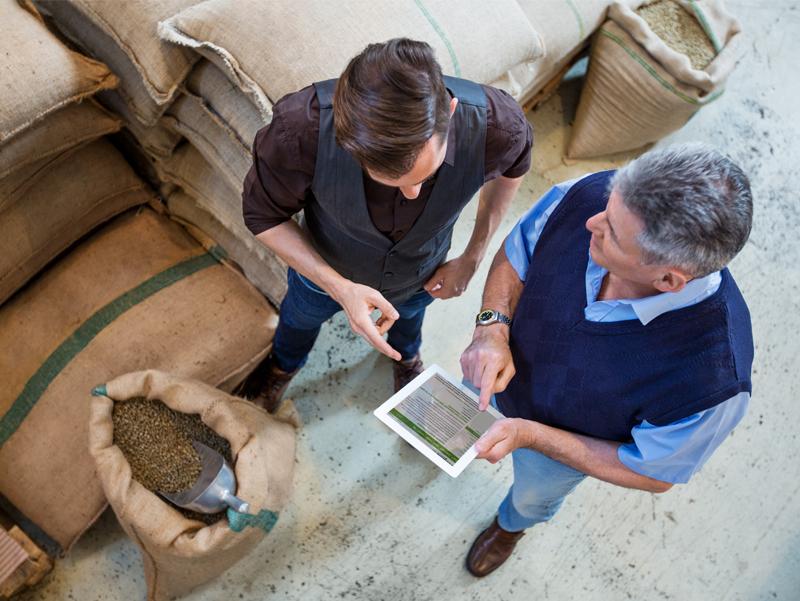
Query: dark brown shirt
pixel 278 184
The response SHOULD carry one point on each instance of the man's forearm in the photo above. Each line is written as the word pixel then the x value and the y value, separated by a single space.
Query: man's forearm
pixel 592 456
pixel 503 287
pixel 289 242
pixel 495 198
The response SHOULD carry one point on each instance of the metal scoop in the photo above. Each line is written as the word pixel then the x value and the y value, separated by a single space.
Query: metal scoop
pixel 214 489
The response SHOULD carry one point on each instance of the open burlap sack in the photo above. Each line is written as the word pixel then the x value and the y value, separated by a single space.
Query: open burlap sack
pixel 264 270
pixel 178 553
pixel 40 74
pixel 226 101
pixel 313 40
pixel 123 35
pixel 138 294
pixel 565 27
pixel 79 193
pixel 219 144
pixel 61 130
pixel 638 89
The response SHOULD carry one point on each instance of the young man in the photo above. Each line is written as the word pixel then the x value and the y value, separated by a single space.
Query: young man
pixel 381 162
pixel 630 350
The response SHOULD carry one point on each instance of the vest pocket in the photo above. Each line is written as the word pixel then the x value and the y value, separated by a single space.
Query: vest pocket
pixel 428 267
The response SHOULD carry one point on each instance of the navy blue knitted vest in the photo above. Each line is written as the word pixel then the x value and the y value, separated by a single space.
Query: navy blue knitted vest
pixel 602 379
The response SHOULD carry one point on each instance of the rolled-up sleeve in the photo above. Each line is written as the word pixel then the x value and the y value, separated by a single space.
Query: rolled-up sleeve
pixel 509 136
pixel 284 159
pixel 675 452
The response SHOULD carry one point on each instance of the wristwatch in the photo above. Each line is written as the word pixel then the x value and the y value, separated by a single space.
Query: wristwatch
pixel 489 316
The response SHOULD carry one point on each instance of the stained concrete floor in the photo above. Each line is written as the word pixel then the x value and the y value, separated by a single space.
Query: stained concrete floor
pixel 372 519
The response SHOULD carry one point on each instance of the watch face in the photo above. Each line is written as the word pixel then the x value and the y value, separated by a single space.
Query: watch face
pixel 485 315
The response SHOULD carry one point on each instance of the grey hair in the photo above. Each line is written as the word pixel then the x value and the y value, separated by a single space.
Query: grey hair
pixel 695 205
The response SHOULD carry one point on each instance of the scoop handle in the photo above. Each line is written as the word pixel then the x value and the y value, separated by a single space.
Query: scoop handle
pixel 235 503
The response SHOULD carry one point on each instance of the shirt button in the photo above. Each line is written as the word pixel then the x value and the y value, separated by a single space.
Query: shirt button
pixel 399 231
pixel 392 253
pixel 389 274
pixel 404 202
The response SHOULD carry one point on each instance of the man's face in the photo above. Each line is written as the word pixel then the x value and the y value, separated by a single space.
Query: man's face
pixel 613 244
pixel 428 162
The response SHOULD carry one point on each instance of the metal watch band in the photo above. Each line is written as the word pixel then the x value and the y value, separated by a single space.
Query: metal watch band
pixel 490 316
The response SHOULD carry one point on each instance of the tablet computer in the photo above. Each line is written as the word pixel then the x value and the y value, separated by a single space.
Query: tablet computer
pixel 438 416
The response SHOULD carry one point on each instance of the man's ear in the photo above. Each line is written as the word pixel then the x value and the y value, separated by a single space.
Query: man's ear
pixel 672 279
pixel 453 104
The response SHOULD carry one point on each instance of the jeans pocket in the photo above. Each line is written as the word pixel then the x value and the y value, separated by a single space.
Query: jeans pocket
pixel 307 283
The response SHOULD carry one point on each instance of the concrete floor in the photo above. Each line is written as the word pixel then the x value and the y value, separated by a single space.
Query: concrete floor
pixel 372 519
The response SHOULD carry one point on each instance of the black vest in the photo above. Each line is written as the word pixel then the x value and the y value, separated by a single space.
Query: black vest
pixel 602 379
pixel 337 222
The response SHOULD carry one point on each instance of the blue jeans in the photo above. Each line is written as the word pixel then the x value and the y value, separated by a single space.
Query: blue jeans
pixel 540 486
pixel 306 307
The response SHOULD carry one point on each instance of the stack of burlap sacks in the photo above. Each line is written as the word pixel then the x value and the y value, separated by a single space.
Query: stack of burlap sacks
pixel 198 80
pixel 98 280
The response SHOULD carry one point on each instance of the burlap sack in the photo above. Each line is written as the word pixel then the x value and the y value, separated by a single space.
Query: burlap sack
pixel 264 270
pixel 179 554
pixel 138 294
pixel 217 142
pixel 226 101
pixel 565 27
pixel 84 190
pixel 20 180
pixel 157 140
pixel 63 129
pixel 212 194
pixel 638 89
pixel 40 74
pixel 123 35
pixel 312 40
pixel 188 169
pixel 78 194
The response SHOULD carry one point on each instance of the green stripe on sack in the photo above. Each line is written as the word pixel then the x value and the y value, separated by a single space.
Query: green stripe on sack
pixel 218 252
pixel 658 77
pixel 265 520
pixel 706 27
pixel 577 16
pixel 441 35
pixel 87 331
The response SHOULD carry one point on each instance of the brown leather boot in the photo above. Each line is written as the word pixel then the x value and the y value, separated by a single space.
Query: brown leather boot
pixel 490 550
pixel 266 385
pixel 407 370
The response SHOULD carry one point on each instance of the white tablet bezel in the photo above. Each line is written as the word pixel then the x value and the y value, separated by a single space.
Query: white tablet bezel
pixel 382 413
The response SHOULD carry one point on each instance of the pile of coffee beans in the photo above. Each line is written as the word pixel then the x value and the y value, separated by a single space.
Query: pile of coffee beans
pixel 157 443
pixel 680 31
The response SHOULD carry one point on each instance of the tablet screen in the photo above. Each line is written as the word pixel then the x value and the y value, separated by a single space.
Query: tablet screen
pixel 438 416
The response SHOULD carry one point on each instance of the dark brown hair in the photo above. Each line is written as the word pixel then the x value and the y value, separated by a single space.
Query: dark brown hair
pixel 388 103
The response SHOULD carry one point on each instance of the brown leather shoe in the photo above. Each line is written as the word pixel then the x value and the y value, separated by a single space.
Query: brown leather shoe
pixel 490 550
pixel 407 370
pixel 266 385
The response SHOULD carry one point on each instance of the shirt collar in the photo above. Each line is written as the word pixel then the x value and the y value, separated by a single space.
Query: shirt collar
pixel 647 309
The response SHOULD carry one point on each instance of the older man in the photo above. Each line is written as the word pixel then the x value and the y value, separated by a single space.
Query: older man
pixel 629 355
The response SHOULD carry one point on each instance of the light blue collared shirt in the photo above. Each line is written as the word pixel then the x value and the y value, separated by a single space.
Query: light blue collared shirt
pixel 671 453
